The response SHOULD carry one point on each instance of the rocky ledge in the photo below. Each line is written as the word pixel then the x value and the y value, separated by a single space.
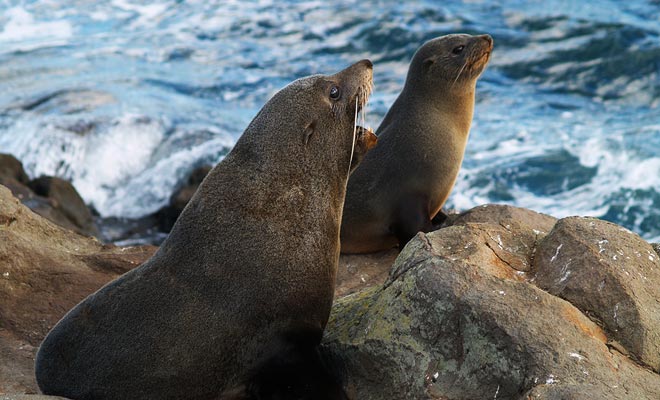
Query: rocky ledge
pixel 507 303
pixel 503 303
pixel 45 270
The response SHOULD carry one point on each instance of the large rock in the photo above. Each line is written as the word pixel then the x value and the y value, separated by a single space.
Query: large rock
pixel 13 176
pixel 44 271
pixel 527 227
pixel 357 271
pixel 65 207
pixel 11 169
pixel 459 318
pixel 52 198
pixel 610 274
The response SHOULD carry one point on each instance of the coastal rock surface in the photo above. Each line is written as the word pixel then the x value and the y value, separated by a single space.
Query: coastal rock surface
pixel 44 271
pixel 463 315
pixel 481 309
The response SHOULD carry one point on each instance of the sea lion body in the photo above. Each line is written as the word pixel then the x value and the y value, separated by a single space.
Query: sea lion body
pixel 402 184
pixel 246 277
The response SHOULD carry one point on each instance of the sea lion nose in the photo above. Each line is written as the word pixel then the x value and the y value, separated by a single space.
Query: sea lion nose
pixel 367 63
pixel 488 39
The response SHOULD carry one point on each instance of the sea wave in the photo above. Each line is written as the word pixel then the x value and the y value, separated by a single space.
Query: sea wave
pixel 124 97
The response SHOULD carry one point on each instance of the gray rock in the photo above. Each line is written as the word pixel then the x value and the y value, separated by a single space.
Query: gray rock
pixel 527 226
pixel 610 274
pixel 63 205
pixel 458 319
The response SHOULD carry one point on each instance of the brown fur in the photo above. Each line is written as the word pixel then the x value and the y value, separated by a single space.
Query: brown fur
pixel 401 184
pixel 250 263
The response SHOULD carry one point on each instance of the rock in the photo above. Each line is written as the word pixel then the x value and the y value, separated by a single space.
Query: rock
pixel 13 176
pixel 458 318
pixel 44 271
pixel 460 315
pixel 656 247
pixel 357 271
pixel 527 226
pixel 53 198
pixel 65 207
pixel 609 273
pixel 168 215
pixel 12 170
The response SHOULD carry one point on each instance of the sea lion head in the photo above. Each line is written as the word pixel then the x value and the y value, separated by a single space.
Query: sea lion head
pixel 457 59
pixel 313 120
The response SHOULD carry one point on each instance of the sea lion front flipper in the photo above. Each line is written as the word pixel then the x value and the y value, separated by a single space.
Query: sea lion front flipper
pixel 411 217
pixel 294 370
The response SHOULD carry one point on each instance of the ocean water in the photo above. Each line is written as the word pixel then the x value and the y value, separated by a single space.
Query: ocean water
pixel 126 97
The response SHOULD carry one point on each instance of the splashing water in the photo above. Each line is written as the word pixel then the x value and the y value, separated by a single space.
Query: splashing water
pixel 126 97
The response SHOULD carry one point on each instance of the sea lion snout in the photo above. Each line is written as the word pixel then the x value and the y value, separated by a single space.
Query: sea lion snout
pixel 358 78
pixel 488 40
pixel 367 63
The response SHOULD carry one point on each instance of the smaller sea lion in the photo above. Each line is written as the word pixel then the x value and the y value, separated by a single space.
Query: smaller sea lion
pixel 401 185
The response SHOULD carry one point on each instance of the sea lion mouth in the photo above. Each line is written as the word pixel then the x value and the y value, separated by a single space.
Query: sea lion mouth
pixel 361 101
pixel 362 94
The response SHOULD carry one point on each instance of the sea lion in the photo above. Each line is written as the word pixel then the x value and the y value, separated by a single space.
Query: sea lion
pixel 401 184
pixel 241 289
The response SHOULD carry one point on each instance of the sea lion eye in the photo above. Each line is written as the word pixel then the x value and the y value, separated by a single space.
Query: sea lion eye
pixel 458 50
pixel 335 93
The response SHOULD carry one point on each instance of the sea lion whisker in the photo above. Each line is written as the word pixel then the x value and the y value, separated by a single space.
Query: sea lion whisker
pixel 350 160
pixel 459 73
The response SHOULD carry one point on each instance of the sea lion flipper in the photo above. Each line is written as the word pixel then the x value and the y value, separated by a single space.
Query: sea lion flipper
pixel 294 369
pixel 411 217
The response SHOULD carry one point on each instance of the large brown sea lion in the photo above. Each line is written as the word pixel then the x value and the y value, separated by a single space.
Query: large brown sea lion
pixel 235 301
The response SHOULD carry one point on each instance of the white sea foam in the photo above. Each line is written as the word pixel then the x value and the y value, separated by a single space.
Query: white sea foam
pixel 619 167
pixel 113 167
pixel 22 32
pixel 148 15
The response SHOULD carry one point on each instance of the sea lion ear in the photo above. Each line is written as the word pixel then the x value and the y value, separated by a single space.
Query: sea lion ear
pixel 309 131
pixel 427 63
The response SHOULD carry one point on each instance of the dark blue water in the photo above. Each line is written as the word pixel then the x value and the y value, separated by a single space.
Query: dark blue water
pixel 126 97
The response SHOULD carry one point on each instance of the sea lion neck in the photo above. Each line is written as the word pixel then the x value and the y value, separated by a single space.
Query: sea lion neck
pixel 455 105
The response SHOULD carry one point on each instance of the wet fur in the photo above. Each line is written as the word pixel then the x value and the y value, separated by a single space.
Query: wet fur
pixel 246 278
pixel 401 184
